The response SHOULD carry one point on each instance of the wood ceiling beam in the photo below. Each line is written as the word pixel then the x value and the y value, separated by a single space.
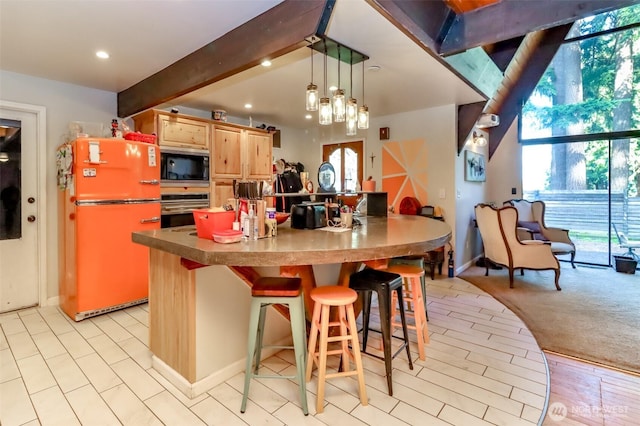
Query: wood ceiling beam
pixel 278 31
pixel 421 21
pixel 425 23
pixel 514 18
pixel 521 79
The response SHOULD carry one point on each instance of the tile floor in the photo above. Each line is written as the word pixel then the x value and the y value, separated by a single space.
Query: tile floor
pixel 483 367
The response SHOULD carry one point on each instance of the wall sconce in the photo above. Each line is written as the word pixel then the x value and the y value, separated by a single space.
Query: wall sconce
pixel 479 139
pixel 4 157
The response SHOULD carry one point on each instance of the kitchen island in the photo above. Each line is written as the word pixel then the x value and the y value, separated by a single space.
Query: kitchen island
pixel 199 303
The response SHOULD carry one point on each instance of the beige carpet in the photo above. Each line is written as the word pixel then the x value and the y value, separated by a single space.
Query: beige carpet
pixel 596 316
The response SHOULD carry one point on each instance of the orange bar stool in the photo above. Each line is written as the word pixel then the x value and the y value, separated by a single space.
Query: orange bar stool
pixel 267 291
pixel 325 298
pixel 412 294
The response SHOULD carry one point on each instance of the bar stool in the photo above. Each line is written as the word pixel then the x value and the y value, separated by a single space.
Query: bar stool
pixel 264 292
pixel 325 298
pixel 384 284
pixel 416 261
pixel 412 293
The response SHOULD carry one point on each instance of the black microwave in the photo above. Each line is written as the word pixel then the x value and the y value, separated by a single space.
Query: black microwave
pixel 184 166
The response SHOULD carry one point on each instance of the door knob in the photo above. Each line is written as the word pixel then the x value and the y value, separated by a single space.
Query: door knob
pixel 31 218
pixel 31 200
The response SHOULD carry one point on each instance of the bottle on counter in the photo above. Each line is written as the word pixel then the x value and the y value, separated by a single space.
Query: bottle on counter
pixel 255 232
pixel 248 224
pixel 271 223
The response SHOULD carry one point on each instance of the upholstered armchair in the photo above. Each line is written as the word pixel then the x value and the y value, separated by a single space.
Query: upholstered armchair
pixel 502 245
pixel 531 226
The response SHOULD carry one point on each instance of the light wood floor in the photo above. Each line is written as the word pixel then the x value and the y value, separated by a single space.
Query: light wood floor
pixel 587 394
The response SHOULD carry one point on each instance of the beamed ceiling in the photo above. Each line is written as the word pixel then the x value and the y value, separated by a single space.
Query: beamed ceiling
pixel 520 37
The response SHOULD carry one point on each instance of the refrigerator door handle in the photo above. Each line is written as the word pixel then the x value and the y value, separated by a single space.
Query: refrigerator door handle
pixel 153 219
pixel 150 182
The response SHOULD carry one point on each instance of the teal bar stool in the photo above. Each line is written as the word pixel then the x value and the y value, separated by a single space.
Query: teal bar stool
pixel 267 291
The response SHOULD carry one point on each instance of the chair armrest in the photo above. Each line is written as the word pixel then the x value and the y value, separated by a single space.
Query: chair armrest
pixel 557 234
pixel 535 242
pixel 524 233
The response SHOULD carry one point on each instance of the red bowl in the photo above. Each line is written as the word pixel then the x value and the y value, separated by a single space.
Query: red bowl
pixel 282 217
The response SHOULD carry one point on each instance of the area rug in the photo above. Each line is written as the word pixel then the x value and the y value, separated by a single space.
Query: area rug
pixel 596 316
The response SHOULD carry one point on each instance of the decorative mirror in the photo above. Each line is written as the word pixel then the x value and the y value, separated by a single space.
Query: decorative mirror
pixel 326 177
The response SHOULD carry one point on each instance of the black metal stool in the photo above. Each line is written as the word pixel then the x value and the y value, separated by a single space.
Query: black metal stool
pixel 383 283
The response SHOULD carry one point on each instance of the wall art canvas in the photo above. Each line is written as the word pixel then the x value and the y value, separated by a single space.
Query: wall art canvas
pixel 474 167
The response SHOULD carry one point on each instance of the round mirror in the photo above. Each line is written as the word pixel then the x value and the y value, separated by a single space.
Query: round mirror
pixel 326 177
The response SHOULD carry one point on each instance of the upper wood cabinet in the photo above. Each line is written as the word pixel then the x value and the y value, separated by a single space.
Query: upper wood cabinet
pixel 174 129
pixel 241 153
pixel 259 151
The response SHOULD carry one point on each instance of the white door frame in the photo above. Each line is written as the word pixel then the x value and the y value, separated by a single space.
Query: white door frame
pixel 40 113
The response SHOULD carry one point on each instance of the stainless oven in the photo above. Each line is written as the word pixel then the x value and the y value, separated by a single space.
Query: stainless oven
pixel 177 209
pixel 184 167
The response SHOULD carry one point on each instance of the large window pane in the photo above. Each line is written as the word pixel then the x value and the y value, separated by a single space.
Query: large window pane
pixel 592 85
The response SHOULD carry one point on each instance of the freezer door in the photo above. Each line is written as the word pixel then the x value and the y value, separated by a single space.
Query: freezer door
pixel 111 269
pixel 115 169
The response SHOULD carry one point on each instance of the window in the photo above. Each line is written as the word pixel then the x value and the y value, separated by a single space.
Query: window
pixel 346 159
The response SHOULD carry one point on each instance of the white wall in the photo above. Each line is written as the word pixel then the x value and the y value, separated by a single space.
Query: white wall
pixel 504 170
pixel 64 103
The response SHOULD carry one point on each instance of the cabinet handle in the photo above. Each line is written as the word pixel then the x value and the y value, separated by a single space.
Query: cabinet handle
pixel 150 220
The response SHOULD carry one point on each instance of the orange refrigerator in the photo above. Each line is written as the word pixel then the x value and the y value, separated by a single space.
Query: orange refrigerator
pixel 109 189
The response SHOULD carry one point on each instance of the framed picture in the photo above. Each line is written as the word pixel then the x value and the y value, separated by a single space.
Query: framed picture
pixel 474 168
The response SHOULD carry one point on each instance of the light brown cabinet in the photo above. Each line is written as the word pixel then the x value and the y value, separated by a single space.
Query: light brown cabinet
pixel 174 130
pixel 238 153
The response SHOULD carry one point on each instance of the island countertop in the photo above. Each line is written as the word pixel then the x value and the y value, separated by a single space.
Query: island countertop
pixel 376 238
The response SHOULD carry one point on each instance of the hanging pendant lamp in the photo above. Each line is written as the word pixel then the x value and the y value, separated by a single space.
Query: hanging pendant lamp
pixel 312 90
pixel 339 106
pixel 363 111
pixel 324 114
pixel 352 103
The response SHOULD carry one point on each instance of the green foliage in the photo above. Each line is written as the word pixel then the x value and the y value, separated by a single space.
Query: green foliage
pixel 596 111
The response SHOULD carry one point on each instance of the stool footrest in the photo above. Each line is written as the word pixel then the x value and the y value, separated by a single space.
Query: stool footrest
pixel 338 339
pixel 342 374
pixel 273 376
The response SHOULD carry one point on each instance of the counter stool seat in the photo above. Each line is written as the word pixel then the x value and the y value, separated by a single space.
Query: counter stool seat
pixel 412 293
pixel 267 291
pixel 384 284
pixel 326 297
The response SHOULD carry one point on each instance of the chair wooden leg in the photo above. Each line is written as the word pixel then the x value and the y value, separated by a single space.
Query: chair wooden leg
pixel 557 271
pixel 510 277
pixel 573 257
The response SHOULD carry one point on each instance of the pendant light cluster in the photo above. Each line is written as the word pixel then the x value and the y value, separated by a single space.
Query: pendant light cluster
pixel 337 109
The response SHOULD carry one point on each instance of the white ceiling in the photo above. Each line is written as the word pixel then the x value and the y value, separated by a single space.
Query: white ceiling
pixel 57 39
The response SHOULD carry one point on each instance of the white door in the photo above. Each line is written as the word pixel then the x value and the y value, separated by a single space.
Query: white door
pixel 19 198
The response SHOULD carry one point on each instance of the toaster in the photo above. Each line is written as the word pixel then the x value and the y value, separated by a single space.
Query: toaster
pixel 308 215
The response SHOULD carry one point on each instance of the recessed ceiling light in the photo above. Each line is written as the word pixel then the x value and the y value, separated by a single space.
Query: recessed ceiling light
pixel 374 68
pixel 248 106
pixel 102 54
pixel 308 116
pixel 266 63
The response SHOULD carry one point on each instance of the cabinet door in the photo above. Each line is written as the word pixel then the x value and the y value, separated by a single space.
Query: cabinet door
pixel 221 191
pixel 226 153
pixel 182 132
pixel 258 151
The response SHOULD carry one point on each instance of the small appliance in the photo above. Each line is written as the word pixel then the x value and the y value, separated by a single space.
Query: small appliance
pixel 184 167
pixel 308 216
